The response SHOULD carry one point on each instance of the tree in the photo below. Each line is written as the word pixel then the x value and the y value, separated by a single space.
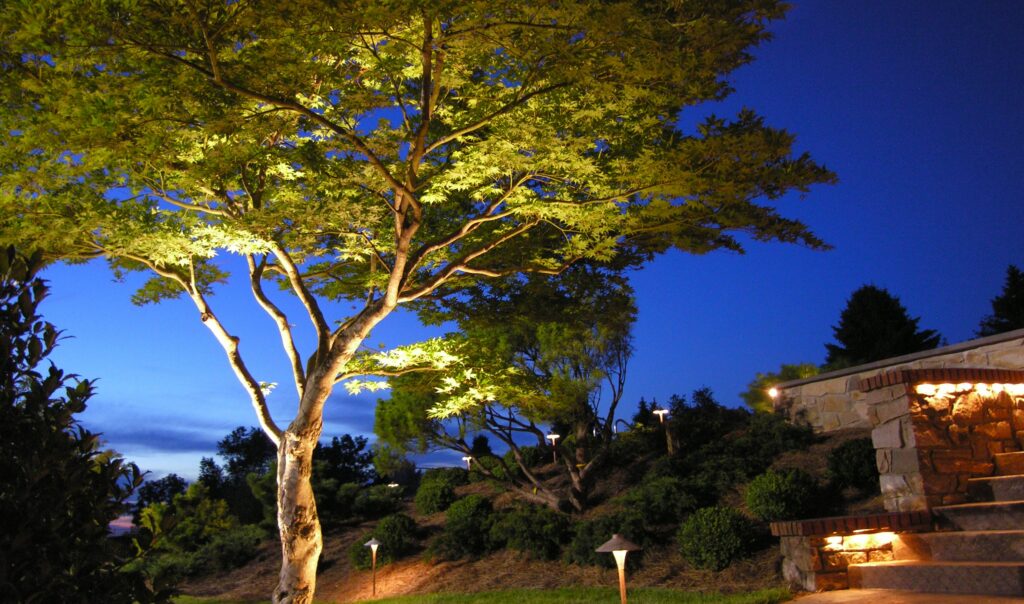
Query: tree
pixel 161 490
pixel 756 395
pixel 1007 307
pixel 377 155
pixel 60 491
pixel 875 326
pixel 534 351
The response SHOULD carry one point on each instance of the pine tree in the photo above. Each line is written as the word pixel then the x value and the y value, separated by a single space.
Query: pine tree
pixel 1007 307
pixel 874 326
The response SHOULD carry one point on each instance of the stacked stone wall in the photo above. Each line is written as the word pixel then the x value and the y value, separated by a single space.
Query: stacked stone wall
pixel 833 402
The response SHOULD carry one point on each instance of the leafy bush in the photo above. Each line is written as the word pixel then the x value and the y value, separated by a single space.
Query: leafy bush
pixel 467 528
pixel 537 531
pixel 493 465
pixel 852 464
pixel 589 535
pixel 784 495
pixel 397 536
pixel 231 549
pixel 453 476
pixel 715 536
pixel 660 500
pixel 434 496
pixel 378 500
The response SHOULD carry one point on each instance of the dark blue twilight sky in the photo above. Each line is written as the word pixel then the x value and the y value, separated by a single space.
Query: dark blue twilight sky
pixel 917 105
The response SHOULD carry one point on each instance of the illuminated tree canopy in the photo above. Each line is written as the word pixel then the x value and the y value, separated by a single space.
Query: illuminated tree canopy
pixel 381 153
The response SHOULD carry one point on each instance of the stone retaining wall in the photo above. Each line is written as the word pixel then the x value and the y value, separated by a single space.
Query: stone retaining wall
pixel 833 401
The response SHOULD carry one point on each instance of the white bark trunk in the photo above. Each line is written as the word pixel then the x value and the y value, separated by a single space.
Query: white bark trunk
pixel 301 539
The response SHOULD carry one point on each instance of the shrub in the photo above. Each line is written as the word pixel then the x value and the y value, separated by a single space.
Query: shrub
pixel 715 536
pixel 397 536
pixel 784 495
pixel 852 464
pixel 434 496
pixel 493 465
pixel 467 528
pixel 378 500
pixel 230 549
pixel 537 531
pixel 660 500
pixel 589 535
pixel 453 476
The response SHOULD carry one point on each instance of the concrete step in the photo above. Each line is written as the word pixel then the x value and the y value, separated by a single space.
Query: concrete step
pixel 983 578
pixel 961 546
pixel 1008 464
pixel 991 516
pixel 996 488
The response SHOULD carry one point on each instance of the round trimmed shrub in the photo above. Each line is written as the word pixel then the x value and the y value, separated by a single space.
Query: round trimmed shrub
pixel 537 531
pixel 852 464
pixel 715 536
pixel 434 496
pixel 467 528
pixel 784 495
pixel 492 464
pixel 397 536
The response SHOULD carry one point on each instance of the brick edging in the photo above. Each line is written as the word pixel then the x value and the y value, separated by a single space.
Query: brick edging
pixel 889 521
pixel 956 376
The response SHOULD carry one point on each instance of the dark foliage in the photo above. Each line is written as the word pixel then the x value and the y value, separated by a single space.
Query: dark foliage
pixel 60 490
pixel 467 529
pixel 853 464
pixel 875 326
pixel 660 500
pixel 397 536
pixel 713 537
pixel 1007 307
pixel 434 496
pixel 162 490
pixel 540 532
pixel 590 534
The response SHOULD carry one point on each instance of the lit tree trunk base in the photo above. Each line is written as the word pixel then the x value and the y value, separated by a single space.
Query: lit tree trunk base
pixel 301 539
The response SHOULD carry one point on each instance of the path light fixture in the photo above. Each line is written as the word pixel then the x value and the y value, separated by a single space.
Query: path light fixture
pixel 393 485
pixel 618 546
pixel 373 544
pixel 773 392
pixel 468 460
pixel 661 413
pixel 554 452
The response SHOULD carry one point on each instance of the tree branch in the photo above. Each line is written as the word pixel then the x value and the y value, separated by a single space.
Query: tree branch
pixel 287 341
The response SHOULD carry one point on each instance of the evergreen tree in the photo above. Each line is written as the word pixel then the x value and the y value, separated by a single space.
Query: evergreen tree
pixel 1007 307
pixel 874 326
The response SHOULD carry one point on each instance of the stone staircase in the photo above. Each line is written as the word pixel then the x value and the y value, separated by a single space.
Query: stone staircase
pixel 979 549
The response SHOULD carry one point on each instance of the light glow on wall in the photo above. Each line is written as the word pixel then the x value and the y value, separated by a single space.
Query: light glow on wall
pixel 949 390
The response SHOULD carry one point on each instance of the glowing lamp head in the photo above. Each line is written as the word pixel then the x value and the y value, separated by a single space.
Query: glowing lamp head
pixel 373 544
pixel 661 413
pixel 618 546
pixel 553 437
pixel 773 392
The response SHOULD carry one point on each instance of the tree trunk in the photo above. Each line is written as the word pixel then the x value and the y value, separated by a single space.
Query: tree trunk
pixel 297 521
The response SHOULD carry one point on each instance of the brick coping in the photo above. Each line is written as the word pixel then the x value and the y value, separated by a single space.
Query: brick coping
pixel 888 521
pixel 938 376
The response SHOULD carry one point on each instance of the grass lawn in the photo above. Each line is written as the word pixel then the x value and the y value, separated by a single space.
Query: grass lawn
pixel 563 596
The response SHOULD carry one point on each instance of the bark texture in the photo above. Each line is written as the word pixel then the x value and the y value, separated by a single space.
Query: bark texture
pixel 297 520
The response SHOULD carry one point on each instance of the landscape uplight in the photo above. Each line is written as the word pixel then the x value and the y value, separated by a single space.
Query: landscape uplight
pixel 554 451
pixel 468 461
pixel 619 546
pixel 373 544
